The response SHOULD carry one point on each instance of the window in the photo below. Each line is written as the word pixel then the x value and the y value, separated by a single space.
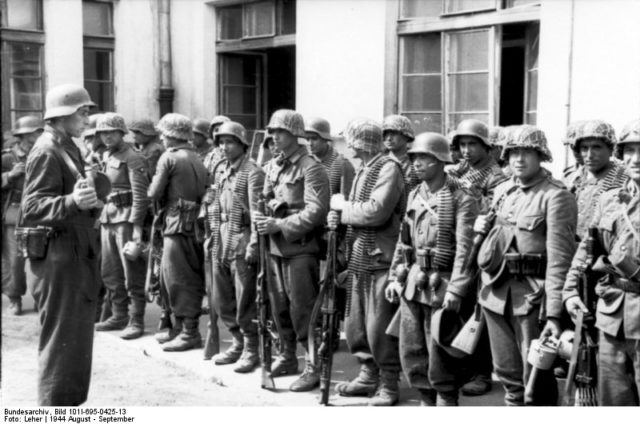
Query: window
pixel 259 19
pixel 457 67
pixel 22 60
pixel 97 19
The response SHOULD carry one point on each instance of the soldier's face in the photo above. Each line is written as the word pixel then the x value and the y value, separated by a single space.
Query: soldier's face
pixel 631 158
pixel 394 141
pixel 140 139
pixel 524 162
pixel 317 145
pixel 74 125
pixel 427 166
pixel 595 154
pixel 472 149
pixel 284 140
pixel 272 148
pixel 232 148
pixel 28 140
pixel 111 139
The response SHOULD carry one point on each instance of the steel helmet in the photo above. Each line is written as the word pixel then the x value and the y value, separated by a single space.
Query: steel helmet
pixel 319 126
pixel 570 134
pixel 527 136
pixel 201 126
pixel 65 100
pixel 144 126
pixel 630 134
pixel 233 129
pixel 595 128
pixel 288 120
pixel 27 125
pixel 400 124
pixel 176 126
pixel 432 144
pixel 472 128
pixel 496 134
pixel 91 129
pixel 111 122
pixel 216 121
pixel 364 134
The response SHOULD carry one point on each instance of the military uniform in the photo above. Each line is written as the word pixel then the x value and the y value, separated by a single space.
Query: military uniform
pixel 152 152
pixel 339 170
pixel 535 228
pixel 484 179
pixel 126 206
pixel 14 283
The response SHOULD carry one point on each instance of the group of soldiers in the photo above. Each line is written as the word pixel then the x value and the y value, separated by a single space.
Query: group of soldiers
pixel 411 220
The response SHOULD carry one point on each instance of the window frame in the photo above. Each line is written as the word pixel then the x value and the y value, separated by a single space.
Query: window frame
pixel 105 43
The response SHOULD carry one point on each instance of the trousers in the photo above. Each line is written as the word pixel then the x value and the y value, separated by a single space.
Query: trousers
pixel 234 295
pixel 14 280
pixel 183 274
pixel 618 371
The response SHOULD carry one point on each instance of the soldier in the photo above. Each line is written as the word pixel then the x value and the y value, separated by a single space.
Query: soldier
pixel 617 219
pixel 122 221
pixel 595 142
pixel 200 138
pixel 14 284
pixel 373 214
pixel 524 261
pixel 298 189
pixel 239 183
pixel 145 139
pixel 62 263
pixel 397 133
pixel 216 154
pixel 95 146
pixel 179 185
pixel 576 170
pixel 440 216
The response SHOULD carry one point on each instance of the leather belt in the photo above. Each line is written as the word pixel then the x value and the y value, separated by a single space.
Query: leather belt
pixel 121 198
pixel 526 264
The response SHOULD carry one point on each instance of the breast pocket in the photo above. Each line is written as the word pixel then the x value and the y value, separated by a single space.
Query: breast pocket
pixel 292 190
pixel 531 235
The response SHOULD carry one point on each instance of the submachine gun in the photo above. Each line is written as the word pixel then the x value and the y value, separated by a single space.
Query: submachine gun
pixel 264 321
pixel 153 286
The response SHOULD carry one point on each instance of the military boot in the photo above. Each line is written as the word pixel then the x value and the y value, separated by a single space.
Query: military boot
pixel 231 355
pixel 447 398
pixel 15 305
pixel 105 312
pixel 286 363
pixel 387 393
pixel 479 385
pixel 428 397
pixel 117 321
pixel 309 380
pixel 189 337
pixel 250 357
pixel 364 384
pixel 135 329
pixel 170 332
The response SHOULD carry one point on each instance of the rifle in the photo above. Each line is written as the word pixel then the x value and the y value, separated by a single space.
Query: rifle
pixel 264 321
pixel 153 286
pixel 583 363
pixel 212 341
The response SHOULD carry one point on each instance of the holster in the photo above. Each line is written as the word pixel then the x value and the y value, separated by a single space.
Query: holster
pixel 32 243
pixel 188 211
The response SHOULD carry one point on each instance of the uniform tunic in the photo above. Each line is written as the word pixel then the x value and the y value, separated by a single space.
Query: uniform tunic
pixel 65 282
pixel 485 179
pixel 534 218
pixel 127 171
pixel 179 185
pixel 618 307
pixel 152 152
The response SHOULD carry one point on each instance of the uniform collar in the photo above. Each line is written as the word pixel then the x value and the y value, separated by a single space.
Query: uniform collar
pixel 295 156
pixel 327 156
pixel 232 167
pixel 540 177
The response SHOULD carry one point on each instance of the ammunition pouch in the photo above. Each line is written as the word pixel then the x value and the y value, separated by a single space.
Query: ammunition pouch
pixel 425 260
pixel 278 208
pixel 121 198
pixel 531 264
pixel 188 212
pixel 33 242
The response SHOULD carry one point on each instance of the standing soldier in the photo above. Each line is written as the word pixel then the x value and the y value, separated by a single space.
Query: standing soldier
pixel 595 142
pixel 14 284
pixel 524 261
pixel 617 219
pixel 121 221
pixel 397 133
pixel 145 138
pixel 95 146
pixel 574 172
pixel 297 189
pixel 239 182
pixel 62 262
pixel 200 138
pixel 373 214
pixel 179 185
pixel 216 154
pixel 440 216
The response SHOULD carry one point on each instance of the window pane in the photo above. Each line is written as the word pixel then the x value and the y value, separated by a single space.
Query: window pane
pixel 101 93
pixel 532 94
pixel 456 118
pixel 259 19
pixel 230 23
pixel 97 65
pixel 96 18
pixel 453 6
pixel 25 60
pixel 420 8
pixel 516 3
pixel 425 122
pixel 288 17
pixel 239 100
pixel 248 121
pixel 24 14
pixel 421 53
pixel 239 70
pixel 422 93
pixel 469 92
pixel 469 51
pixel 26 94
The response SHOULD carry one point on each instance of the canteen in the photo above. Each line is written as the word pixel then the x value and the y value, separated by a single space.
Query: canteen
pixel 542 353
pixel 132 250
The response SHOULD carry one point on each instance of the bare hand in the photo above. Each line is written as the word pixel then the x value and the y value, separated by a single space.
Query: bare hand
pixel 572 305
pixel 16 171
pixel 84 196
pixel 266 224
pixel 451 302
pixel 337 202
pixel 137 233
pixel 551 328
pixel 251 257
pixel 333 219
pixel 482 225
pixel 393 292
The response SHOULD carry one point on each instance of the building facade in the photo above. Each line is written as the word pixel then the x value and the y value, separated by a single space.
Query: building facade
pixel 506 62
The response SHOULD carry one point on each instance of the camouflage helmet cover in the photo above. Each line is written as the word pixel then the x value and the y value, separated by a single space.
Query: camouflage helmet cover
pixel 629 134
pixel 432 144
pixel 176 126
pixel 400 124
pixel 233 129
pixel 91 129
pixel 595 129
pixel 110 121
pixel 527 136
pixel 319 126
pixel 570 134
pixel 472 128
pixel 496 134
pixel 144 126
pixel 27 125
pixel 65 100
pixel 288 120
pixel 364 134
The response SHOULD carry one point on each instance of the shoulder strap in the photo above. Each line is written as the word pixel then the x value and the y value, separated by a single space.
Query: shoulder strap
pixel 67 159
